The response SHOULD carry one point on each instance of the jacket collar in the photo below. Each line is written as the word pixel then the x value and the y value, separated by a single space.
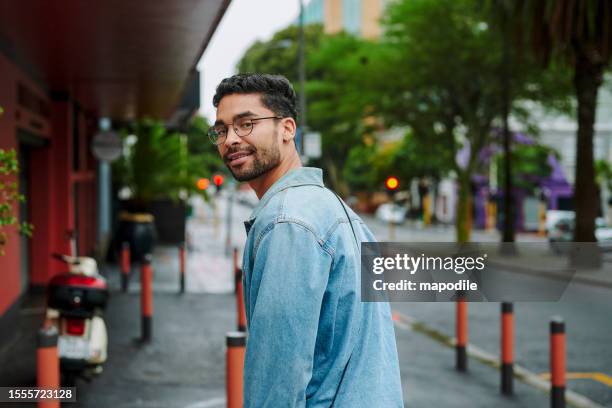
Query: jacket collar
pixel 301 176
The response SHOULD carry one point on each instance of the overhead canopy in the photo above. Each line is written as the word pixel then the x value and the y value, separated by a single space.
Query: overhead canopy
pixel 121 58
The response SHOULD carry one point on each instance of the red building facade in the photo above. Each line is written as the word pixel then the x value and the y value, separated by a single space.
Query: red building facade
pixel 51 133
pixel 63 67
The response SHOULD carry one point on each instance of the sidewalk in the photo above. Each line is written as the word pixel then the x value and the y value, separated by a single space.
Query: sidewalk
pixel 184 365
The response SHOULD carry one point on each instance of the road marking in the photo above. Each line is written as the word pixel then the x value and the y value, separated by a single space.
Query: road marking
pixel 520 373
pixel 599 377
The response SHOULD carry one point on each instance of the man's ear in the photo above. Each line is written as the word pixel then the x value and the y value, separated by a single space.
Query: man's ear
pixel 289 129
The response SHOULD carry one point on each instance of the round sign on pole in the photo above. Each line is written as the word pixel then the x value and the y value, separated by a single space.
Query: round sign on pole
pixel 107 146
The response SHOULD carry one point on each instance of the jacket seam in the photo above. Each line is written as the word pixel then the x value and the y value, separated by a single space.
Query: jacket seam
pixel 281 219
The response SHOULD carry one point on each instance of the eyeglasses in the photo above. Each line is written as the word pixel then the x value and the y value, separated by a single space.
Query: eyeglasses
pixel 243 127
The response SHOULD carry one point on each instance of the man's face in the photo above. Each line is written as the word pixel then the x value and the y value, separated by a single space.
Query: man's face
pixel 250 156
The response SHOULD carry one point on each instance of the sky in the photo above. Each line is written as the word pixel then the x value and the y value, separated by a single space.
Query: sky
pixel 244 22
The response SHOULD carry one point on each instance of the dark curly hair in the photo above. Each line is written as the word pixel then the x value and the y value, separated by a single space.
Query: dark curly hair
pixel 276 91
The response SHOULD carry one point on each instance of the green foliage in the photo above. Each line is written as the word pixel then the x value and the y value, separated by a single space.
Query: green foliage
pixel 360 171
pixel 603 174
pixel 337 105
pixel 279 55
pixel 162 164
pixel 204 158
pixel 367 166
pixel 442 74
pixel 444 63
pixel 10 196
pixel 530 164
pixel 414 159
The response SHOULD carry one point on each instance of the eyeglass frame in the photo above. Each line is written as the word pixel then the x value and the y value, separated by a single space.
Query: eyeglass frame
pixel 212 128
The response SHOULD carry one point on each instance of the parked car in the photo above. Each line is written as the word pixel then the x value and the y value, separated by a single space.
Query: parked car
pixel 563 232
pixel 554 216
pixel 390 212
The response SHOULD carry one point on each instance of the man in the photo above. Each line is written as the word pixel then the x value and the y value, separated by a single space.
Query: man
pixel 312 342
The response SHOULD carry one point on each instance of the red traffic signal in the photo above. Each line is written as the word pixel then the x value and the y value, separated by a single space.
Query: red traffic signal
pixel 218 179
pixel 392 183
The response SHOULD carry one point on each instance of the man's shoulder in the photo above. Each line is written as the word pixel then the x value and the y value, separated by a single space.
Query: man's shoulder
pixel 314 207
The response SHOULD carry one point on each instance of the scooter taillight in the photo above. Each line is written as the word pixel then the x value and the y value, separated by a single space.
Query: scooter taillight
pixel 75 326
pixel 69 279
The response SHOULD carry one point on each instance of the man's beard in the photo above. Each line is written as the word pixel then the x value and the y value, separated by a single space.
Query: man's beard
pixel 263 160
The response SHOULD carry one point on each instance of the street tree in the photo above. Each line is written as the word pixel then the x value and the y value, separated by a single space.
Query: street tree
pixel 438 72
pixel 279 55
pixel 578 33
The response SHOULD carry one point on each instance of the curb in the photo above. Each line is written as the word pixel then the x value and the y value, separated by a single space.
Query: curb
pixel 520 373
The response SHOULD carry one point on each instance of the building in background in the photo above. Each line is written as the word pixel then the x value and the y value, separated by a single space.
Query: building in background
pixel 359 17
pixel 559 132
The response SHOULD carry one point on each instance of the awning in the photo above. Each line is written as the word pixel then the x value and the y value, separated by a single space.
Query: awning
pixel 119 58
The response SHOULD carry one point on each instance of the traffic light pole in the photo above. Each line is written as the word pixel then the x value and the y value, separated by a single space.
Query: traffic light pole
pixel 391 231
pixel 392 183
pixel 215 216
pixel 228 220
pixel 218 181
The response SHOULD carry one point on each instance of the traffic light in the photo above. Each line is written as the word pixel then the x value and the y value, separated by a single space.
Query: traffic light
pixel 218 180
pixel 203 183
pixel 392 184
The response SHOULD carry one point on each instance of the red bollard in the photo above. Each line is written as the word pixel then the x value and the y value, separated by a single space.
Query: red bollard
pixel 47 363
pixel 146 298
pixel 240 303
pixel 462 333
pixel 507 358
pixel 236 343
pixel 126 266
pixel 557 363
pixel 182 266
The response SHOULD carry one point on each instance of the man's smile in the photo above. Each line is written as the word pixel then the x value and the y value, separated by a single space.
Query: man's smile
pixel 237 158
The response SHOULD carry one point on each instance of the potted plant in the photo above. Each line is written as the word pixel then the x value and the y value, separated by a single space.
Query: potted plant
pixel 156 175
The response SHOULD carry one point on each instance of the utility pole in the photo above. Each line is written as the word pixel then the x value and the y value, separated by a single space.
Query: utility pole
pixel 302 79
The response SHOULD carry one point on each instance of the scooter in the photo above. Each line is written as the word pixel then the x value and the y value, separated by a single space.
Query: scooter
pixel 75 305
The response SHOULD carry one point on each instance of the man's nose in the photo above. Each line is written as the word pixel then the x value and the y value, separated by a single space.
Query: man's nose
pixel 232 137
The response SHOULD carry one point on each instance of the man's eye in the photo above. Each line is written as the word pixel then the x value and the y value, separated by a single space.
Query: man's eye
pixel 246 125
pixel 221 131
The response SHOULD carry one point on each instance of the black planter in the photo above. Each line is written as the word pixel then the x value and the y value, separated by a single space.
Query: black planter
pixel 138 229
pixel 170 219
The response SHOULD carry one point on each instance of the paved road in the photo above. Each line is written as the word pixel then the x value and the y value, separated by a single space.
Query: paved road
pixel 586 309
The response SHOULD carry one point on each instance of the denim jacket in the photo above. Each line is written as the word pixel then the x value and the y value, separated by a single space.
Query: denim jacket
pixel 311 341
